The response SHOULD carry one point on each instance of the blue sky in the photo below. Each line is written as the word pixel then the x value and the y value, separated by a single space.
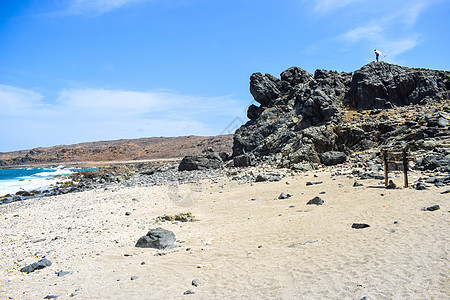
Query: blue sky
pixel 86 70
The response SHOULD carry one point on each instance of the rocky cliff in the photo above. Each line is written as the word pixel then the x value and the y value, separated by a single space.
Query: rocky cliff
pixel 304 118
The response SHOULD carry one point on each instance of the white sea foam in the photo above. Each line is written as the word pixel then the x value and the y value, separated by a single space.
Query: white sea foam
pixel 38 181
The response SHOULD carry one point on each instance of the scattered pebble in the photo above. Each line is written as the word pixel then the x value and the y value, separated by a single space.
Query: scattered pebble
pixel 189 292
pixel 284 196
pixel 432 208
pixel 196 282
pixel 313 182
pixel 360 225
pixel 62 273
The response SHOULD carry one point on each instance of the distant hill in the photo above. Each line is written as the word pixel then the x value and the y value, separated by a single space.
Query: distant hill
pixel 118 150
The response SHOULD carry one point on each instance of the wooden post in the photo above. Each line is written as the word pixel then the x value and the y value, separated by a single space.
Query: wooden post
pixel 385 168
pixel 405 166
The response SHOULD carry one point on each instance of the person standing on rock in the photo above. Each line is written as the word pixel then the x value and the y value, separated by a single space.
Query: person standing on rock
pixel 378 53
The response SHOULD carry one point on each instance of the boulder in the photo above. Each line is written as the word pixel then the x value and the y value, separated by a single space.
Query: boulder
pixel 265 177
pixel 158 238
pixel 295 76
pixel 243 160
pixel 331 158
pixel 207 160
pixel 263 89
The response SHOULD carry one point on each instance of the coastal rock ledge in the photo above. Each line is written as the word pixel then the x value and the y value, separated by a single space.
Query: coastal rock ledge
pixel 302 117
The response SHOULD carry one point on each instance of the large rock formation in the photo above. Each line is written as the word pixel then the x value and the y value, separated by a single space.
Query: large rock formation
pixel 302 117
pixel 382 85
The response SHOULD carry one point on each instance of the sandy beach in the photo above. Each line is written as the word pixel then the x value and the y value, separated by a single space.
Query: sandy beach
pixel 247 244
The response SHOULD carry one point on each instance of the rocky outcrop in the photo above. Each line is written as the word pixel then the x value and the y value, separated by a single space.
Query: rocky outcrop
pixel 383 85
pixel 304 119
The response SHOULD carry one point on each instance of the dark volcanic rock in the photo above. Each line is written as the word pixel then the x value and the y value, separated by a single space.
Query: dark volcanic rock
pixel 263 88
pixel 264 177
pixel 284 196
pixel 189 292
pixel 331 158
pixel 208 160
pixel 360 225
pixel 433 208
pixel 313 182
pixel 421 186
pixel 243 160
pixel 383 85
pixel 315 201
pixel 36 266
pixel 433 162
pixel 302 118
pixel 157 238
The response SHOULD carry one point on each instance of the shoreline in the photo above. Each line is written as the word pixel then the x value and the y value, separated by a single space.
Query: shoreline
pixel 92 163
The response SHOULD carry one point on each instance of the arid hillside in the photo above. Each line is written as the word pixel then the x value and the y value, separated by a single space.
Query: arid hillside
pixel 119 150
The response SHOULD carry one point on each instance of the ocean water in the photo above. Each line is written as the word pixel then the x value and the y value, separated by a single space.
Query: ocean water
pixel 27 179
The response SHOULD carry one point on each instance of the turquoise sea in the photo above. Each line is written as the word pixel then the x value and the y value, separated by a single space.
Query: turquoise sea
pixel 27 179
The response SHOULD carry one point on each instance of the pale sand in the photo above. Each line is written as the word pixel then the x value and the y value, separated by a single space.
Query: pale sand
pixel 327 258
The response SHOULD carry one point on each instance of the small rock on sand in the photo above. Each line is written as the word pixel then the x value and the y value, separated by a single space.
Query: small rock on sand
pixel 196 282
pixel 316 201
pixel 391 185
pixel 360 225
pixel 421 186
pixel 433 208
pixel 36 266
pixel 313 182
pixel 284 196
pixel 62 273
pixel 189 292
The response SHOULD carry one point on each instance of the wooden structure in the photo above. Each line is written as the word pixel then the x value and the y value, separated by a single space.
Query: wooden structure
pixel 395 155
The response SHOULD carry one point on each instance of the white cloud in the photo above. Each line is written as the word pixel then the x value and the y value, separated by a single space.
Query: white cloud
pixel 390 29
pixel 412 12
pixel 394 48
pixel 18 102
pixel 323 6
pixel 371 31
pixel 80 115
pixel 97 6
